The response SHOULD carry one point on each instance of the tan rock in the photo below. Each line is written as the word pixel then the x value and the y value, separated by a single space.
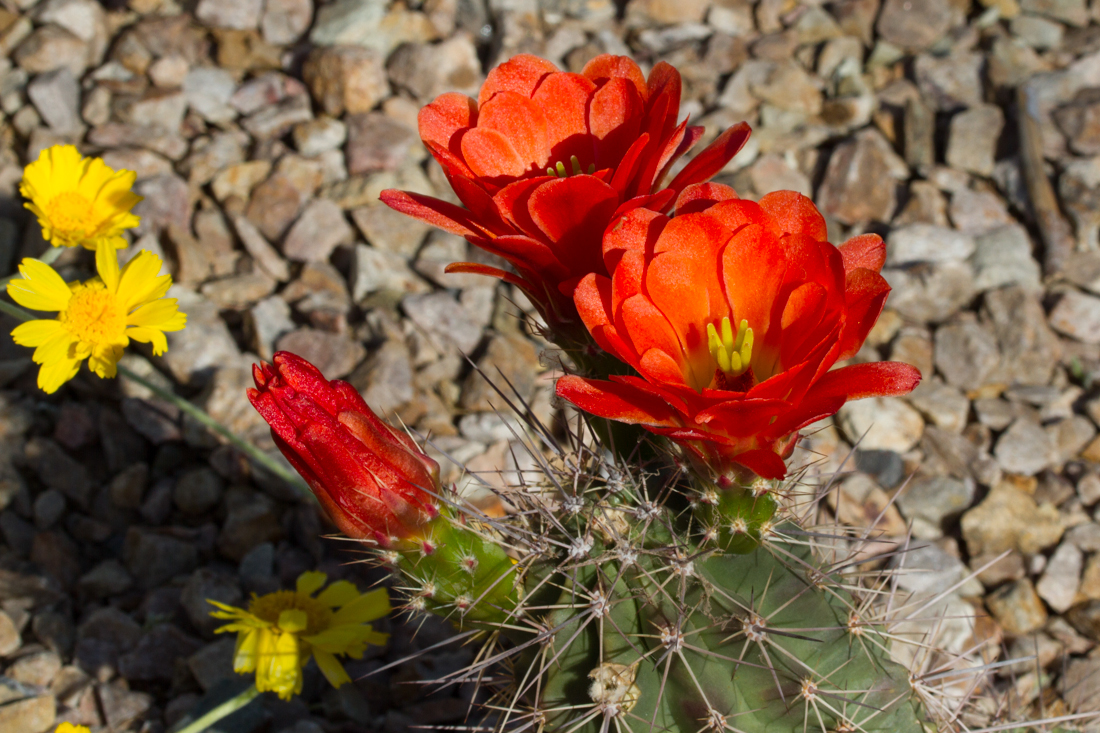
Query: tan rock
pixel 1009 519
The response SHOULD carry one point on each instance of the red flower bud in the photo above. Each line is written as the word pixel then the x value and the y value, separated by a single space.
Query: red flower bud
pixel 372 480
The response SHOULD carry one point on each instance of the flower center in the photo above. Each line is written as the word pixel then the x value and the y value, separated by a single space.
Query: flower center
pixel 273 605
pixel 70 212
pixel 559 171
pixel 733 353
pixel 93 315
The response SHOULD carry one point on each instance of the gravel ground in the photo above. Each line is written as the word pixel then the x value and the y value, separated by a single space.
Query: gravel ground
pixel 262 132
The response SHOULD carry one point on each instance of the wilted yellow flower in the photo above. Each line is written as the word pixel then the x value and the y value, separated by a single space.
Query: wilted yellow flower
pixel 79 201
pixel 97 318
pixel 70 728
pixel 280 631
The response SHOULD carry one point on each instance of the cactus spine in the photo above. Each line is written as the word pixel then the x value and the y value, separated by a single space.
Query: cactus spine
pixel 687 609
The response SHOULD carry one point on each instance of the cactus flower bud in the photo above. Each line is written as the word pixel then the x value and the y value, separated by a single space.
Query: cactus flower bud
pixel 372 480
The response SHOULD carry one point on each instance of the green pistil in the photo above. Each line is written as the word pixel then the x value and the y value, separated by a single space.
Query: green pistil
pixel 559 171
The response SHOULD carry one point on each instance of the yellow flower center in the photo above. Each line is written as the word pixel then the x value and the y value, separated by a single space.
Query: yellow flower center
pixel 559 171
pixel 70 212
pixel 273 608
pixel 732 353
pixel 94 315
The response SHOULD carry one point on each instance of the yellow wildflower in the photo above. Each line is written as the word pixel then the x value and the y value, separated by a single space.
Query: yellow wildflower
pixel 96 319
pixel 280 631
pixel 70 728
pixel 79 201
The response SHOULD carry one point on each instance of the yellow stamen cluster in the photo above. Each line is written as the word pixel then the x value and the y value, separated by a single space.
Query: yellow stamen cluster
pixel 280 632
pixel 559 171
pixel 733 353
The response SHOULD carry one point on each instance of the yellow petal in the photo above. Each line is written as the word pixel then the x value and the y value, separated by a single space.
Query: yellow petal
pixel 333 671
pixel 52 376
pixel 338 639
pixel 367 607
pixel 40 288
pixel 140 283
pixel 338 594
pixel 106 264
pixel 293 620
pixel 310 582
pixel 146 335
pixel 162 314
pixel 280 665
pixel 104 360
pixel 35 333
pixel 244 658
pixel 58 347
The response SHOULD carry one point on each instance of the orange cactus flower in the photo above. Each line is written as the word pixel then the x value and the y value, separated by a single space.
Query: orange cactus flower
pixel 733 314
pixel 544 160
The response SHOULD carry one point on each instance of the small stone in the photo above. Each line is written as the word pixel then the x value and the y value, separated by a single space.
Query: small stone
pixel 213 663
pixel 203 586
pixel 930 293
pixel 252 520
pixel 261 250
pixel 1073 12
pixel 208 91
pixel 284 21
pixel 32 714
pixel 154 558
pixel 1003 257
pixel 128 487
pixel 355 22
pixel 320 229
pixel 109 578
pixel 1039 33
pixel 239 180
pixel 944 406
pixel 377 142
pixel 36 668
pixel 155 656
pixel 10 640
pixel 929 569
pixel 931 502
pixel 790 88
pixel 1010 519
pixel 428 70
pixel 169 72
pixel 205 344
pixel 386 379
pixel 1025 448
pixel 275 120
pixel 1069 437
pixel 511 363
pixel 881 424
pixel 51 47
pixel 1017 608
pixel 167 203
pixel 1058 586
pixel 49 506
pixel 268 320
pixel 275 205
pixel 58 470
pixel 856 188
pixel 914 25
pixel 1029 349
pixel 334 354
pixel 1078 685
pixel 240 14
pixel 239 292
pixel 390 231
pixel 979 212
pixel 56 96
pixel 966 353
pixel 927 243
pixel 973 140
pixel 1078 316
pixel 438 315
pixel 197 491
pixel 319 135
pixel 860 502
pixel 346 78
pixel 951 82
pixel 387 272
pixel 120 705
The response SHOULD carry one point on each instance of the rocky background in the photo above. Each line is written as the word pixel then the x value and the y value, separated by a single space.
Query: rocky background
pixel 262 132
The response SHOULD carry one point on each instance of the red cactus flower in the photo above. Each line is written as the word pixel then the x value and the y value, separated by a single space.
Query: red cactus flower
pixel 544 160
pixel 733 313
pixel 372 480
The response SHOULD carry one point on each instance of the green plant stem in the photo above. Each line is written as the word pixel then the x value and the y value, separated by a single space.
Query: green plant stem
pixel 48 258
pixel 228 707
pixel 197 413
